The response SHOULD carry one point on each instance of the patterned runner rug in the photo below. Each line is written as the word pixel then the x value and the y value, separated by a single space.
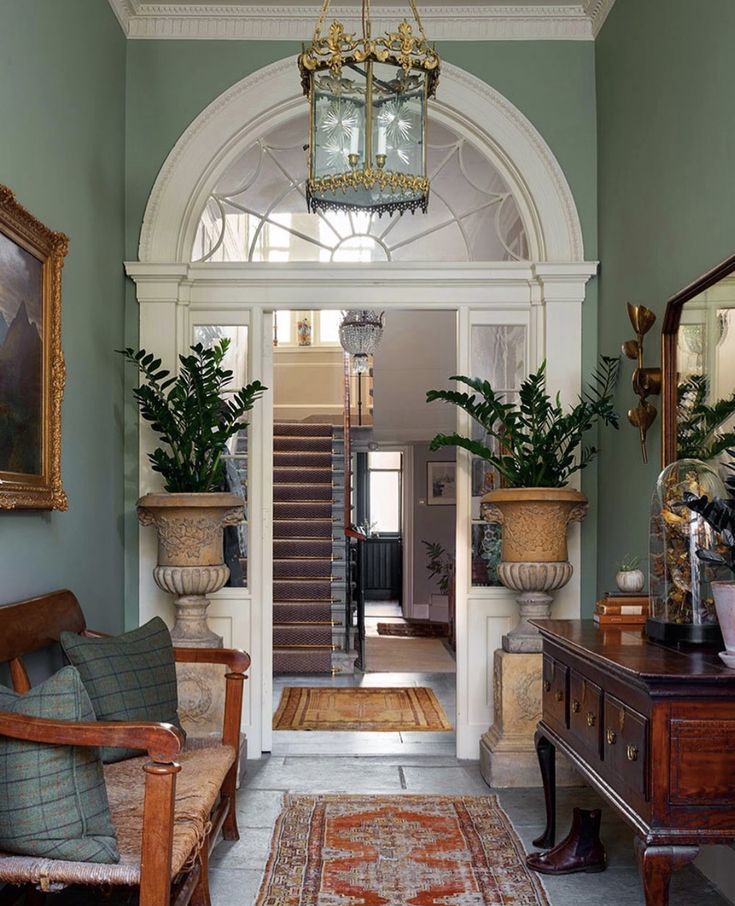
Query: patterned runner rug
pixel 390 710
pixel 394 851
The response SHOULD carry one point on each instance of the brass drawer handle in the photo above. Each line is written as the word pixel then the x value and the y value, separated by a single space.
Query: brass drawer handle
pixel 632 753
pixel 547 686
pixel 559 695
pixel 576 706
pixel 611 737
pixel 591 718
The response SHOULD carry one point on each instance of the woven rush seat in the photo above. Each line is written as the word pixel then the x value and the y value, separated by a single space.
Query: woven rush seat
pixel 204 765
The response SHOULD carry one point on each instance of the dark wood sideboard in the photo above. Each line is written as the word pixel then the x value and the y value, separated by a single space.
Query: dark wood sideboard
pixel 652 729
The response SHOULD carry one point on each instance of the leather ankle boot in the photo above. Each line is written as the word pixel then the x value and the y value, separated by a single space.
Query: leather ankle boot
pixel 580 850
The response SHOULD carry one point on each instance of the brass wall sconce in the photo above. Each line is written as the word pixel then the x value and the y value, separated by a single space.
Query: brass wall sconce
pixel 646 381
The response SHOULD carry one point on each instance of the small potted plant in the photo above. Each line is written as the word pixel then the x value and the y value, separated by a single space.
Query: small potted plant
pixel 720 514
pixel 629 578
pixel 440 566
pixel 535 445
pixel 194 420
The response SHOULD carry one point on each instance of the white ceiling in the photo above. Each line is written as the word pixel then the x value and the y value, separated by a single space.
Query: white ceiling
pixel 294 19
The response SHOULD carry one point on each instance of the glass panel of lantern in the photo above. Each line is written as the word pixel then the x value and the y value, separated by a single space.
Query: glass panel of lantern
pixel 387 173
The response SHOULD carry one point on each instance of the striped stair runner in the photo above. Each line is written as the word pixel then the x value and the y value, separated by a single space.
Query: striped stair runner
pixel 302 548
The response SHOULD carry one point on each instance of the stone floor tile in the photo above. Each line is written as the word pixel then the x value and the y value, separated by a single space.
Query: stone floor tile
pixel 442 781
pixel 234 888
pixel 249 852
pixel 258 808
pixel 319 774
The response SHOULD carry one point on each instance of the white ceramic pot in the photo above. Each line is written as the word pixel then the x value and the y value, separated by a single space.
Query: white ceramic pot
pixel 724 593
pixel 630 580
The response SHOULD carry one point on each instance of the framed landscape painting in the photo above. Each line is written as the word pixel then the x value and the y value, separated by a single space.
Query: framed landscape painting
pixel 31 360
pixel 441 483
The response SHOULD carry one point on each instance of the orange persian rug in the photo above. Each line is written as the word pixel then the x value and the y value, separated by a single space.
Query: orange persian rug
pixel 388 710
pixel 396 851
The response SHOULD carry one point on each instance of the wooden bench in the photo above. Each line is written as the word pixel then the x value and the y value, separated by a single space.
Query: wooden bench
pixel 164 835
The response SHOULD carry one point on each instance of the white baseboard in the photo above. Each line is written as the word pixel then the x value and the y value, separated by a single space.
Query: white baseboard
pixel 439 608
pixel 439 613
pixel 436 610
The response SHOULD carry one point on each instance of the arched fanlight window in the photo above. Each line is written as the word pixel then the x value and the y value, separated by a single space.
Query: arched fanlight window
pixel 256 211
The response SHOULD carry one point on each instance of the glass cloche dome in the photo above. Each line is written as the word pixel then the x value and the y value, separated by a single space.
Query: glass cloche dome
pixel 682 608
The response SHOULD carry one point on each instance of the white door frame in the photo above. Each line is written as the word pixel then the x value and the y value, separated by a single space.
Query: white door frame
pixel 171 296
pixel 548 290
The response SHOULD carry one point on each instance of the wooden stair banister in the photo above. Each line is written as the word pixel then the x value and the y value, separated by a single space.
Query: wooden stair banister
pixel 353 536
pixel 349 529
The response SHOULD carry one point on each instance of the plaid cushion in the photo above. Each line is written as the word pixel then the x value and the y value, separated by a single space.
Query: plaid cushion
pixel 128 677
pixel 53 801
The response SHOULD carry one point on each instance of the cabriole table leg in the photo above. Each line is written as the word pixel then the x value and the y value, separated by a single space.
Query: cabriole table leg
pixel 546 753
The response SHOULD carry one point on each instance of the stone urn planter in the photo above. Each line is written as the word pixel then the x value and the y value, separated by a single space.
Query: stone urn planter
pixel 190 555
pixel 534 557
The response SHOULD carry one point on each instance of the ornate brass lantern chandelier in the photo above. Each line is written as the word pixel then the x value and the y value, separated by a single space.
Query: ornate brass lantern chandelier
pixel 368 99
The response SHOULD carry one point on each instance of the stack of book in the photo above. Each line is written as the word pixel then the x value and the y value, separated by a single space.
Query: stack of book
pixel 621 609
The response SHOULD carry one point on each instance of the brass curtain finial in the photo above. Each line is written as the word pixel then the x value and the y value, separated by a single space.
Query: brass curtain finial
pixel 646 381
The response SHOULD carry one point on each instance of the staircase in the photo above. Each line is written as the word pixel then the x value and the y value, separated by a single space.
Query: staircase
pixel 303 520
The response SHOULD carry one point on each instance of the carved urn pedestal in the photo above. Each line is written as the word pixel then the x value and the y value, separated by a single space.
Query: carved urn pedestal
pixel 507 751
pixel 534 558
pixel 534 563
pixel 190 556
pixel 190 567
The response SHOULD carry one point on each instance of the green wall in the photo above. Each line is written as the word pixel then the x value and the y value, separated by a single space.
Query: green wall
pixel 62 96
pixel 553 83
pixel 170 82
pixel 666 136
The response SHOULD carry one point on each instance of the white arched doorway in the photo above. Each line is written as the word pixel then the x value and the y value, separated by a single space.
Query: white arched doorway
pixel 540 296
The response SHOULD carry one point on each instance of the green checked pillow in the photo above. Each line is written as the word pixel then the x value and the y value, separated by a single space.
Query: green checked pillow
pixel 128 677
pixel 53 801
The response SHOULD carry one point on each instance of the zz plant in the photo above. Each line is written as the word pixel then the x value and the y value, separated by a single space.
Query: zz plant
pixel 534 442
pixel 191 415
pixel 439 565
pixel 720 514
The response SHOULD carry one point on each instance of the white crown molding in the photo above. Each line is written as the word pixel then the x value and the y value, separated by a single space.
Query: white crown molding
pixel 562 22
pixel 124 11
pixel 598 11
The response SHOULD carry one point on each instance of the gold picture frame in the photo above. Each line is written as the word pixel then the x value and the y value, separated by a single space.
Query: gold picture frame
pixel 32 371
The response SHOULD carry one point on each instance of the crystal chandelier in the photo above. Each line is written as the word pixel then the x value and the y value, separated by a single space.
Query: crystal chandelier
pixel 359 334
pixel 367 123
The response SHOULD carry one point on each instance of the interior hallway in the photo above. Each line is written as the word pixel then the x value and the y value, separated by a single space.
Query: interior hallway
pixel 393 654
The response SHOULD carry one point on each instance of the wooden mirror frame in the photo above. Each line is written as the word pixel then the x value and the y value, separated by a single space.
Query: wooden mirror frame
pixel 669 337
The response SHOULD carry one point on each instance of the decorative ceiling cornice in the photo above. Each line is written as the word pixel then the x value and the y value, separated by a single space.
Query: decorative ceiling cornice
pixel 572 21
pixel 124 11
pixel 598 11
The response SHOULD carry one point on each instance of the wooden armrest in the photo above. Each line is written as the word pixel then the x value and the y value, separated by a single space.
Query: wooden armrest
pixel 162 741
pixel 235 658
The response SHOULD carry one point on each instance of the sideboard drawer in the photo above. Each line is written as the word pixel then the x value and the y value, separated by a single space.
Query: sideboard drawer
pixel 626 744
pixel 702 762
pixel 585 712
pixel 555 682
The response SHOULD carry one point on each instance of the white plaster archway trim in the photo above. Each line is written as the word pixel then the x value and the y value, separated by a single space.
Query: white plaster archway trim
pixel 272 94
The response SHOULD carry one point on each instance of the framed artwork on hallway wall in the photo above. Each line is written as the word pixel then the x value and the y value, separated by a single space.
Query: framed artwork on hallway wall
pixel 31 361
pixel 441 483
